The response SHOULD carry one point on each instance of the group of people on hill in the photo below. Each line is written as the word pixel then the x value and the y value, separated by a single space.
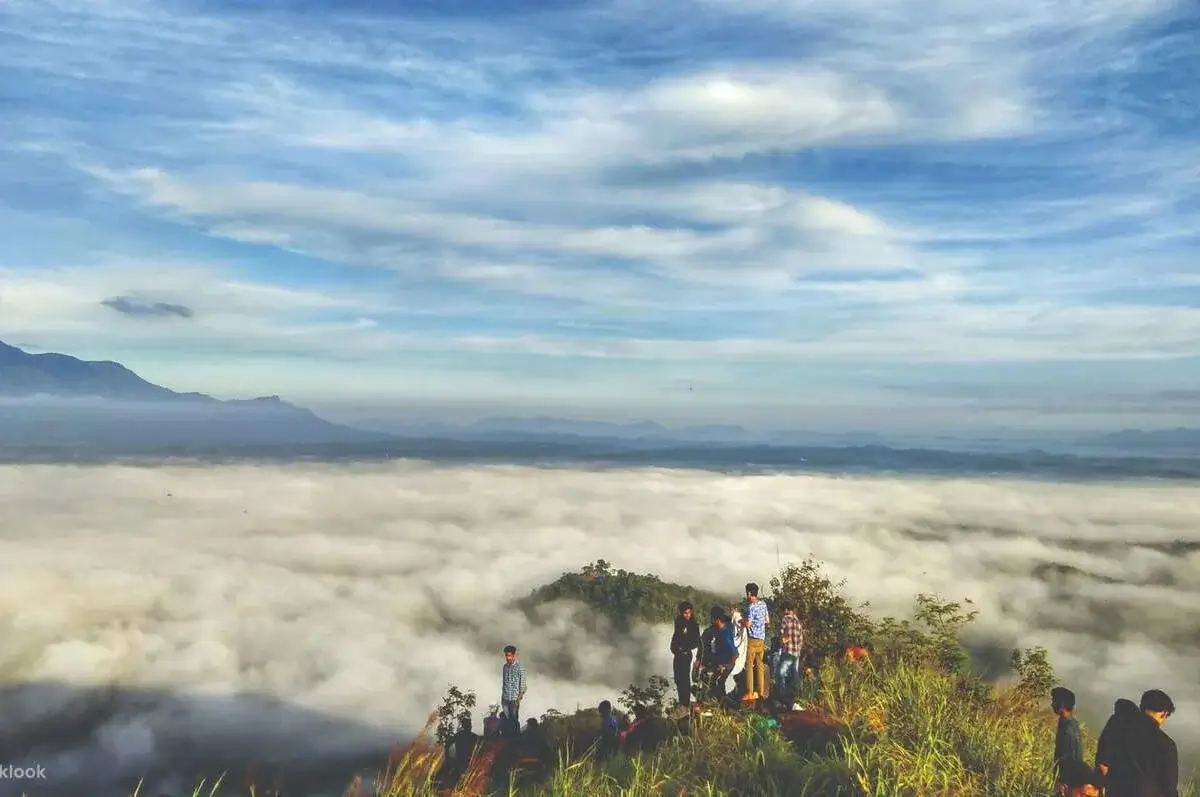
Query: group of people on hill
pixel 703 662
pixel 1134 755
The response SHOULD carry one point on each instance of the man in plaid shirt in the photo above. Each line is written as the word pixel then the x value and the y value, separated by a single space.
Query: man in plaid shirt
pixel 512 689
pixel 791 640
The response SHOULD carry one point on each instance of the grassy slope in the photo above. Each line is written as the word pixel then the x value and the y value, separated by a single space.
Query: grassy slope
pixel 912 722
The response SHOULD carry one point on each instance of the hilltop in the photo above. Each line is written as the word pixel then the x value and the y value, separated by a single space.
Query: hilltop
pixel 622 597
pixel 912 721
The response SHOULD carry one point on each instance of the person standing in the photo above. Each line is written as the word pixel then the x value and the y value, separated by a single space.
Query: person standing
pixel 1115 733
pixel 512 689
pixel 1146 762
pixel 1068 739
pixel 756 621
pixel 684 641
pixel 791 642
pixel 610 729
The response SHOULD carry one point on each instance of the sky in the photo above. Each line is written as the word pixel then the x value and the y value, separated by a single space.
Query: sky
pixel 856 213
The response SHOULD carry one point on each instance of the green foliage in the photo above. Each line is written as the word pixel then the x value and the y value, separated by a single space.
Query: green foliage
pixel 931 637
pixel 829 620
pixel 1034 673
pixel 456 705
pixel 652 697
pixel 622 596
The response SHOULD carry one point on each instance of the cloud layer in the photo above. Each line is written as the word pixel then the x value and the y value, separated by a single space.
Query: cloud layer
pixel 357 593
pixel 528 199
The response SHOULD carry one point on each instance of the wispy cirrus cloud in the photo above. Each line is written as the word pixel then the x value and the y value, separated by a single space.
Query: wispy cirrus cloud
pixel 725 189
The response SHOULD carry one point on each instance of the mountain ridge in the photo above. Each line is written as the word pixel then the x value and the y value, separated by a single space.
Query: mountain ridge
pixel 59 401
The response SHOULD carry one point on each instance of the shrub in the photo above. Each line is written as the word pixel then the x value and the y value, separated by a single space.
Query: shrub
pixel 931 637
pixel 1034 673
pixel 456 705
pixel 652 697
pixel 830 621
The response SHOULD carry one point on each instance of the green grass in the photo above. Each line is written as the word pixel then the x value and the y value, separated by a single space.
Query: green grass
pixel 908 731
pixel 913 721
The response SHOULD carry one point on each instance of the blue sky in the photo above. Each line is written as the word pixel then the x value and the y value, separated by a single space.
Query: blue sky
pixel 847 213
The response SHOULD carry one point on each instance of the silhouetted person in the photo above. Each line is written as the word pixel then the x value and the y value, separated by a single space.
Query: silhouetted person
pixel 1115 734
pixel 646 734
pixel 1146 764
pixel 459 749
pixel 684 641
pixel 512 689
pixel 609 731
pixel 1068 741
pixel 534 746
pixel 493 724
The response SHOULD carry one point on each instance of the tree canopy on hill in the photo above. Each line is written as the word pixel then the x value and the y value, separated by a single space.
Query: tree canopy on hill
pixel 831 620
pixel 623 596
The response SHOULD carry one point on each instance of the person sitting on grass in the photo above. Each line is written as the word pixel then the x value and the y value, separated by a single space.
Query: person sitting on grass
pixel 1080 780
pixel 493 723
pixel 459 749
pixel 534 753
pixel 647 732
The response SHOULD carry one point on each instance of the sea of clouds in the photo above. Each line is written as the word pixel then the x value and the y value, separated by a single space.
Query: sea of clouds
pixel 171 618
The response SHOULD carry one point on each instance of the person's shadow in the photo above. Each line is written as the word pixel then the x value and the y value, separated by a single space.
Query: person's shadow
pixel 61 740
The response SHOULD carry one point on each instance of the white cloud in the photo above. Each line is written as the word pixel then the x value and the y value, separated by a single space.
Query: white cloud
pixel 357 593
pixel 504 197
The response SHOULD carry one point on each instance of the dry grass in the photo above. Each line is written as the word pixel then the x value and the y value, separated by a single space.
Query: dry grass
pixel 900 731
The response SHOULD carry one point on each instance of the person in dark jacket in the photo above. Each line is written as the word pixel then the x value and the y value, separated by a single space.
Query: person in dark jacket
pixel 1146 764
pixel 1068 740
pixel 684 641
pixel 1113 737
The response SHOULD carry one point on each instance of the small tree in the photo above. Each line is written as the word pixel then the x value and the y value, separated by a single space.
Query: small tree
pixel 829 620
pixel 652 696
pixel 931 637
pixel 1034 672
pixel 944 621
pixel 456 705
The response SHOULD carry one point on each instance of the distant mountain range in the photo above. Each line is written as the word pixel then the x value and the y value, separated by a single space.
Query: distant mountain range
pixel 60 402
pixel 639 433
pixel 57 401
pixel 1181 440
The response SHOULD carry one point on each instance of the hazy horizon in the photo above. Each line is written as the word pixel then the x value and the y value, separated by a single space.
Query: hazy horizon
pixel 821 421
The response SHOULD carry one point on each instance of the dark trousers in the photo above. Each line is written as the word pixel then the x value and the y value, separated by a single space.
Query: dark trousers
pixel 512 713
pixel 719 673
pixel 683 677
